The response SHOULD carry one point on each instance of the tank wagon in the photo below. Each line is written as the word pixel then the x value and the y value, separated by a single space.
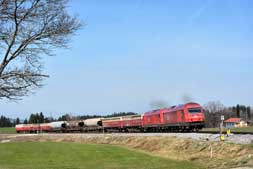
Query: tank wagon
pixel 45 127
pixel 189 116
pixel 94 124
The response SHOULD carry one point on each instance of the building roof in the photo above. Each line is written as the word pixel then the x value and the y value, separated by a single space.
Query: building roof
pixel 233 120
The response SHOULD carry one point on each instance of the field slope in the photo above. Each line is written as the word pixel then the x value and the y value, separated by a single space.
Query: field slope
pixel 49 155
pixel 7 130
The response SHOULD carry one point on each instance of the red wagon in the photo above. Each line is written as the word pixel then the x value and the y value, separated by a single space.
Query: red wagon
pixel 123 123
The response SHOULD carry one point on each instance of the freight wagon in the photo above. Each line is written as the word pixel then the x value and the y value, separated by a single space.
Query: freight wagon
pixel 124 123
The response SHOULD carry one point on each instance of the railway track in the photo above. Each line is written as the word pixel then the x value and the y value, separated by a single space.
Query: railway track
pixel 139 132
pixel 208 136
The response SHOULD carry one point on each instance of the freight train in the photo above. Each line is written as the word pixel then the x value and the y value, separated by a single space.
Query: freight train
pixel 185 117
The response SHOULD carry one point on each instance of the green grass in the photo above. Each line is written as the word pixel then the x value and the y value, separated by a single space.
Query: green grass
pixel 210 129
pixel 7 130
pixel 239 129
pixel 243 129
pixel 49 155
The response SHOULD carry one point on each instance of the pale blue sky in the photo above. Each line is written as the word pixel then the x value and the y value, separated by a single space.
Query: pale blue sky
pixel 134 52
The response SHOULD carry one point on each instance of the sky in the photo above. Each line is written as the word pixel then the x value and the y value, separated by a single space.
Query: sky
pixel 132 53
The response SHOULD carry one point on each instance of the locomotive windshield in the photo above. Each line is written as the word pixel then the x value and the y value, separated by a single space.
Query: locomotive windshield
pixel 194 110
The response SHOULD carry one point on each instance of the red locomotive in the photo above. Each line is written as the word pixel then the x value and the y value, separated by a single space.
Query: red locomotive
pixel 189 116
pixel 182 117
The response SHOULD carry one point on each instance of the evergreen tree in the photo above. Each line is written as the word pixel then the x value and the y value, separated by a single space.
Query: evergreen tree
pixel 238 110
pixel 33 118
pixel 17 121
pixel 64 117
pixel 248 112
pixel 41 118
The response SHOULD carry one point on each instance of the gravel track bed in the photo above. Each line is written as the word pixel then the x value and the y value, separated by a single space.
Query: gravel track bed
pixel 233 138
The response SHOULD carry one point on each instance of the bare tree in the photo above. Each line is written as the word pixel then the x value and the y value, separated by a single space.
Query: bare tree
pixel 214 109
pixel 29 30
pixel 214 106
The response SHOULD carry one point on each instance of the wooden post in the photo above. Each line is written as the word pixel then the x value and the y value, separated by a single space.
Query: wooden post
pixel 211 150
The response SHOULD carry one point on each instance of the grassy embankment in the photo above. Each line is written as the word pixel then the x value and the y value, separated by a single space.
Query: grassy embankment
pixel 7 130
pixel 179 153
pixel 30 155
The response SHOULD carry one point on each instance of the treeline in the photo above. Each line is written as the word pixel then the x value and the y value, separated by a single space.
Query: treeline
pixel 120 114
pixel 5 122
pixel 67 117
pixel 215 109
pixel 38 118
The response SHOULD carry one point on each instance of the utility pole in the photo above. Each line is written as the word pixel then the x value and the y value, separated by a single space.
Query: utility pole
pixel 221 124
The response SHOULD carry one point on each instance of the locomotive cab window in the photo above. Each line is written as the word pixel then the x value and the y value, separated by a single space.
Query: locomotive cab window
pixel 194 110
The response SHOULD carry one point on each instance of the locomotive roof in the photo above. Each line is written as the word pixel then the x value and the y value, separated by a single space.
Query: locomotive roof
pixel 172 108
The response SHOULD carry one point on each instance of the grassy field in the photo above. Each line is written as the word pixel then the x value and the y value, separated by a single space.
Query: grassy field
pixel 241 129
pixel 49 155
pixel 7 130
